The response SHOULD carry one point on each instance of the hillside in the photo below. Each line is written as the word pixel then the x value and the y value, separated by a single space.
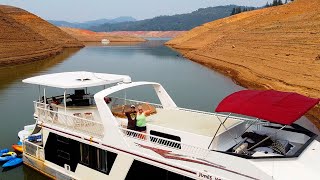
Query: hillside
pixel 26 37
pixel 272 48
pixel 90 36
pixel 179 22
pixel 88 24
pixel 148 34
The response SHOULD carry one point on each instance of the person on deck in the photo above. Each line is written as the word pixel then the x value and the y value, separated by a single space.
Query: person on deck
pixel 55 101
pixel 142 119
pixel 132 117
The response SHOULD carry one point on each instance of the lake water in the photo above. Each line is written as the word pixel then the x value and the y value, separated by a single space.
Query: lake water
pixel 190 85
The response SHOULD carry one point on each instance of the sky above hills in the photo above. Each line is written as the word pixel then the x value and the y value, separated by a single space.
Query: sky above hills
pixel 85 10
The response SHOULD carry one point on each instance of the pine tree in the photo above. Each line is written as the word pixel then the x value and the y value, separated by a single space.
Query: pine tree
pixel 280 2
pixel 267 5
pixel 233 11
pixel 275 3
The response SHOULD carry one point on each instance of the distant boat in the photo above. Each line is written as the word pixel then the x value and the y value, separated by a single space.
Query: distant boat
pixel 105 41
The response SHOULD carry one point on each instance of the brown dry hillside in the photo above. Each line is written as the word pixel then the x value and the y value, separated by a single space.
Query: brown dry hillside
pixel 90 36
pixel 25 37
pixel 272 48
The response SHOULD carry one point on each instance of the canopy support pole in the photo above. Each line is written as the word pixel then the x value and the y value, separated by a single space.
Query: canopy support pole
pixel 266 138
pixel 39 91
pixel 64 101
pixel 45 99
pixel 227 130
pixel 125 97
pixel 215 134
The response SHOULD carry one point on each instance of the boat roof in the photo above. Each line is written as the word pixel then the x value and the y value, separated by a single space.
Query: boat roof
pixel 274 106
pixel 77 79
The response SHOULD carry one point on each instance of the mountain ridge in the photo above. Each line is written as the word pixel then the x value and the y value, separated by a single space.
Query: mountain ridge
pixel 178 22
pixel 88 24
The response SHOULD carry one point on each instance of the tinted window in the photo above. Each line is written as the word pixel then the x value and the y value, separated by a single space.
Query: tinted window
pixel 140 170
pixel 166 136
pixel 95 158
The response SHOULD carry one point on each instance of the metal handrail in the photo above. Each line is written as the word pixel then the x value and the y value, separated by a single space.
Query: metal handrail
pixel 132 102
pixel 89 127
pixel 33 150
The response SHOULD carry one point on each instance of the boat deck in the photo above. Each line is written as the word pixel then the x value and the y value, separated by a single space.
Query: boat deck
pixel 192 122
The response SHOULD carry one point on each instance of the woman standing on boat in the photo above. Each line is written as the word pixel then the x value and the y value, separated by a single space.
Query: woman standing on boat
pixel 142 119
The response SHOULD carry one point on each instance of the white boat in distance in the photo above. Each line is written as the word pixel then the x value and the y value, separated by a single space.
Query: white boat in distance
pixel 105 41
pixel 85 136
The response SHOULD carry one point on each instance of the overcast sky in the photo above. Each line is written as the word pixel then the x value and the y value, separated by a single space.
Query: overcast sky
pixel 84 10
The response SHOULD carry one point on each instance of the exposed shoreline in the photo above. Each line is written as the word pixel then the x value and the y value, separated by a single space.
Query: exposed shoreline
pixel 271 48
pixel 90 36
pixel 244 77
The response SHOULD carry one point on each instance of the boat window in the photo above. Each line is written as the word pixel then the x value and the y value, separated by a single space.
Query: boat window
pixel 95 158
pixel 102 160
pixel 166 136
pixel 153 172
pixel 62 139
pixel 84 153
pixel 61 150
pixel 63 154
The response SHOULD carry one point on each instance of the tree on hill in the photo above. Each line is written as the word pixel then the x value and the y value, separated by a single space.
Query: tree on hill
pixel 240 9
pixel 275 3
pixel 233 11
pixel 267 5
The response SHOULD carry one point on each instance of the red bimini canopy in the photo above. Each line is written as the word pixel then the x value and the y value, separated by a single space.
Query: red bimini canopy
pixel 274 106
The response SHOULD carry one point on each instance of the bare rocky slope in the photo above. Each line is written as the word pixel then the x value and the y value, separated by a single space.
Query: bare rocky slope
pixel 272 48
pixel 25 37
pixel 90 36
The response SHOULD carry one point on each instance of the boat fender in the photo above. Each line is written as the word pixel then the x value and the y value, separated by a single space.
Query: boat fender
pixel 242 149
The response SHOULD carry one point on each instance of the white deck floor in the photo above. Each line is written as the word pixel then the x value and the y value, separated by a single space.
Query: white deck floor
pixel 192 122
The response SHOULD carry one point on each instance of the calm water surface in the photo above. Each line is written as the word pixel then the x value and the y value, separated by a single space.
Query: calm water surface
pixel 189 84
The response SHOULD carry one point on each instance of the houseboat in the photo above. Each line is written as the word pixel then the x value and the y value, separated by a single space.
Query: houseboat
pixel 251 136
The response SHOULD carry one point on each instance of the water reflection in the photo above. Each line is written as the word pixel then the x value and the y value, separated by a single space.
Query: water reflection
pixel 87 44
pixel 29 174
pixel 11 74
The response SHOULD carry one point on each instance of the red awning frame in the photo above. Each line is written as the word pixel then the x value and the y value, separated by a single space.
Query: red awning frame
pixel 270 105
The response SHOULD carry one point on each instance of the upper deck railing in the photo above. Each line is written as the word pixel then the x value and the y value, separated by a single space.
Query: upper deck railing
pixel 33 149
pixel 62 120
pixel 121 101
